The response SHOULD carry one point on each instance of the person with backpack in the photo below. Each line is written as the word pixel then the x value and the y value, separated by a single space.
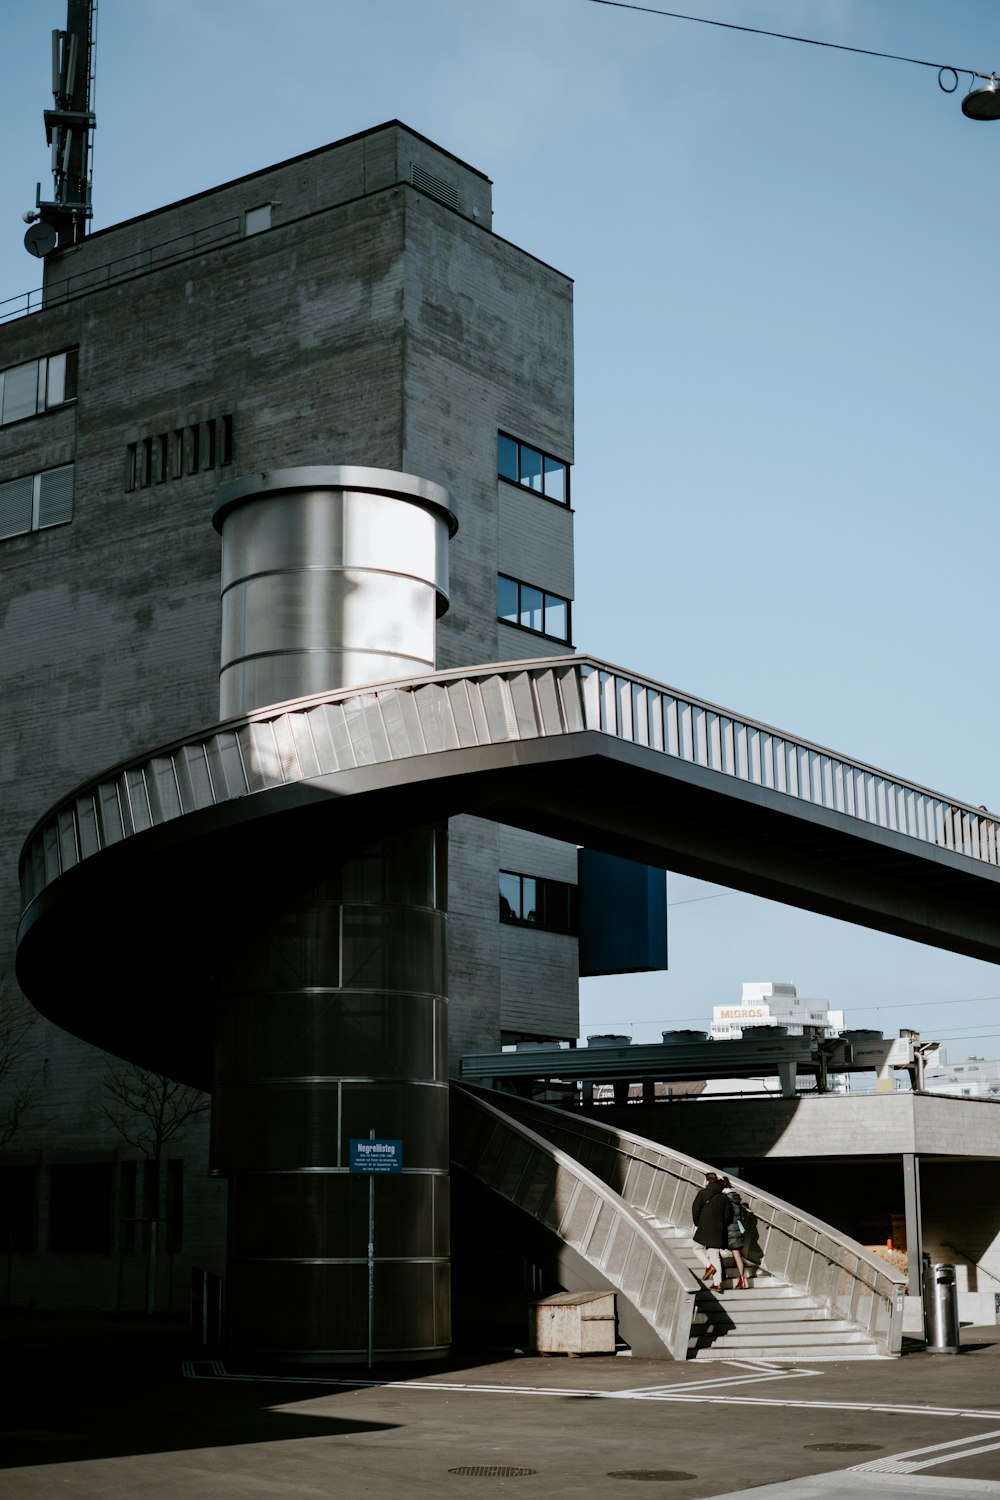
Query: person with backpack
pixel 736 1230
pixel 711 1212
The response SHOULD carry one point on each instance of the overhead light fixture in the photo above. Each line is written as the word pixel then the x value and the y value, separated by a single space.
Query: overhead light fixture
pixel 984 103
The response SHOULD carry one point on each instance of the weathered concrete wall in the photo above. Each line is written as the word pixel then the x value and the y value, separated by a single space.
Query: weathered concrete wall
pixel 372 325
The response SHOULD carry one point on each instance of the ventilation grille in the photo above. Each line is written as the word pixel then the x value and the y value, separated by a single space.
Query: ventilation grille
pixel 433 186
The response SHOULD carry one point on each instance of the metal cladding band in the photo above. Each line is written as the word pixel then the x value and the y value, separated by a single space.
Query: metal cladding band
pixel 332 577
pixel 331 1021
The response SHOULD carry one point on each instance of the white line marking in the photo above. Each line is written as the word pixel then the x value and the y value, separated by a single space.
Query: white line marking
pixel 713 1398
pixel 692 1386
pixel 913 1460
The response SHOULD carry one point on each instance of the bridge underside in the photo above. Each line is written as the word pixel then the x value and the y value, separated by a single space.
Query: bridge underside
pixel 150 919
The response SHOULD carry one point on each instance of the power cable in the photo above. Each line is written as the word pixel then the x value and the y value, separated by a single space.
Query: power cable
pixel 786 36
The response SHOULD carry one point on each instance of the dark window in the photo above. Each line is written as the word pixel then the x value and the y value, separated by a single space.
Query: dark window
pixel 146 462
pixel 130 1235
pixel 131 465
pixel 532 608
pixel 80 1208
pixel 27 389
pixel 227 440
pixel 177 466
pixel 36 501
pixel 534 900
pixel 507 458
pixel 163 457
pixel 194 449
pixel 174 1227
pixel 210 445
pixel 18 1189
pixel 532 469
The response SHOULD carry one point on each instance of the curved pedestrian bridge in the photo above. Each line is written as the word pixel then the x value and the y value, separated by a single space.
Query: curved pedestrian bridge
pixel 567 746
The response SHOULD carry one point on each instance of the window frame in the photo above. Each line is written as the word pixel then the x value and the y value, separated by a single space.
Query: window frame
pixel 546 594
pixel 43 367
pixel 551 458
pixel 546 892
pixel 35 522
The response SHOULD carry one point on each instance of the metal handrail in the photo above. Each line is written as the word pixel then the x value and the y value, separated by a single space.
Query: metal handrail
pixel 497 703
pixel 583 1211
pixel 109 273
pixel 794 1246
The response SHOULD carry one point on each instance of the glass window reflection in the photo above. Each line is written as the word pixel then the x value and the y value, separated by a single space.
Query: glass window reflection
pixel 555 480
pixel 557 617
pixel 507 458
pixel 507 599
pixel 510 896
pixel 531 614
pixel 531 468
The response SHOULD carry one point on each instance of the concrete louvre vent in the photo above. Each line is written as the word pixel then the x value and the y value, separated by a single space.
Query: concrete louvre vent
pixel 491 1471
pixel 433 186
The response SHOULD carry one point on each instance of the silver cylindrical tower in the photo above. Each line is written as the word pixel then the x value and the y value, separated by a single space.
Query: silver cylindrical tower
pixel 332 577
pixel 332 1003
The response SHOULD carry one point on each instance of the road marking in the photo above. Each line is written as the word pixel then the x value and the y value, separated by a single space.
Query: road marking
pixel 779 1373
pixel 913 1460
pixel 692 1391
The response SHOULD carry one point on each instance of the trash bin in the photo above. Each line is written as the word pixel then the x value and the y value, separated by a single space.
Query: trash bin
pixel 941 1309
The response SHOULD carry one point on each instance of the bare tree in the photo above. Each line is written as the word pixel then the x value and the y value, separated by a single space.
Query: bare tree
pixel 148 1110
pixel 18 1075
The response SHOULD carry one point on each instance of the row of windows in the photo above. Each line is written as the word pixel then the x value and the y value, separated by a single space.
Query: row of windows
pixel 532 898
pixel 532 469
pixel 25 390
pixel 186 450
pixel 81 1207
pixel 35 501
pixel 532 608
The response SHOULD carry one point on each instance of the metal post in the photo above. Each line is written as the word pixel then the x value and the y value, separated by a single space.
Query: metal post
pixel 914 1226
pixel 371 1262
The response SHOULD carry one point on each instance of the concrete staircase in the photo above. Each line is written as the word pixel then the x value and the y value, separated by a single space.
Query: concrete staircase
pixel 770 1320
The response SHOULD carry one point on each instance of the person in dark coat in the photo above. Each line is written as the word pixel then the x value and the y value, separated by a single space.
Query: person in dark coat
pixel 711 1212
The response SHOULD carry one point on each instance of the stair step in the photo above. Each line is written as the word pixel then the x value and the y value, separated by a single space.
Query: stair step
pixel 801 1354
pixel 751 1319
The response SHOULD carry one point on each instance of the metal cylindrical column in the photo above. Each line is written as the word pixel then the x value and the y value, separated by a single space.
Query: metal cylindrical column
pixel 332 1021
pixel 332 576
pixel 332 1005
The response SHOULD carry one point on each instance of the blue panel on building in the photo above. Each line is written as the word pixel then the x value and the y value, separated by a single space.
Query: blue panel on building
pixel 623 915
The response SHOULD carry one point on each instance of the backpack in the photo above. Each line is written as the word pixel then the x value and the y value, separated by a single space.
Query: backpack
pixel 739 1219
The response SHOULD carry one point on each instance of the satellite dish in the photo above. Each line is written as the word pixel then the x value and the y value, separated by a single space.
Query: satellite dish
pixel 39 239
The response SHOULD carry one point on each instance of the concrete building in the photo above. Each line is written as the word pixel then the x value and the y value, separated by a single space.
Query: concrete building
pixel 774 1004
pixel 350 309
pixel 337 368
pixel 972 1078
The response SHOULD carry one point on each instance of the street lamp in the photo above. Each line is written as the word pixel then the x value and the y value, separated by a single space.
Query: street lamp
pixel 984 103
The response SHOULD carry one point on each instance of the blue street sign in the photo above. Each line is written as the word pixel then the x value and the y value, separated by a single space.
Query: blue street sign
pixel 376 1156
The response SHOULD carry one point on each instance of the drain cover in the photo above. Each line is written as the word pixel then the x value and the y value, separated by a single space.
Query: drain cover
pixel 650 1474
pixel 491 1471
pixel 844 1447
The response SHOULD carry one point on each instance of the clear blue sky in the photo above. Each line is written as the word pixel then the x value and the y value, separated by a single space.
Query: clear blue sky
pixel 786 267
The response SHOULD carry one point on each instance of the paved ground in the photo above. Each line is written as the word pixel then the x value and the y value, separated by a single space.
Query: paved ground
pixel 121 1411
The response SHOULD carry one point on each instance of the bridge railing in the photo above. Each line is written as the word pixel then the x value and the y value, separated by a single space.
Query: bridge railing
pixel 654 1180
pixel 477 706
pixel 559 1193
pixel 647 713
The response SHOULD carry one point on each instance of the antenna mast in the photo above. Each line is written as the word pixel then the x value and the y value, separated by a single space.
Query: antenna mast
pixel 69 128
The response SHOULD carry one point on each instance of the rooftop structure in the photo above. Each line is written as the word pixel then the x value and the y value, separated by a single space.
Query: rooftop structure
pixel 774 1004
